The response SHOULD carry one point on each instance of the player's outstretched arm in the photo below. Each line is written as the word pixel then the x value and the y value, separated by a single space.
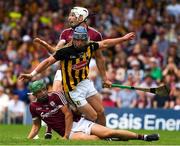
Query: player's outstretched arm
pixel 50 49
pixel 44 44
pixel 60 44
pixel 112 42
pixel 101 67
pixel 40 68
pixel 35 128
pixel 68 121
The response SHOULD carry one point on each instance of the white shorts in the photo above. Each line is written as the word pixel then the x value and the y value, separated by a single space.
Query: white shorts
pixel 58 76
pixel 82 91
pixel 83 125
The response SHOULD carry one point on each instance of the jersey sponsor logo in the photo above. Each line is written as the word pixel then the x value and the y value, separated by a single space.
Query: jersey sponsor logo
pixel 51 112
pixel 39 108
pixel 80 55
pixel 79 65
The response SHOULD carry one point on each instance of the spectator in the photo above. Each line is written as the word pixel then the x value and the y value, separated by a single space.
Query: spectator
pixel 162 43
pixel 148 33
pixel 16 109
pixel 148 83
pixel 161 102
pixel 156 72
pixel 154 52
pixel 177 96
pixel 142 100
pixel 4 99
pixel 127 98
pixel 172 51
pixel 106 99
pixel 3 68
pixel 174 9
pixel 21 90
pixel 136 72
pixel 171 67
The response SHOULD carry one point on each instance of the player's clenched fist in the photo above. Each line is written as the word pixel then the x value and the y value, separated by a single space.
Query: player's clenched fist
pixel 38 40
pixel 44 44
pixel 25 76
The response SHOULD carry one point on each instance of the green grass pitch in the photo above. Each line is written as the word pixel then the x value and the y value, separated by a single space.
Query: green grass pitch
pixel 16 135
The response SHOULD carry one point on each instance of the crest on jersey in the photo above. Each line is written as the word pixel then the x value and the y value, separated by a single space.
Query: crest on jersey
pixel 52 103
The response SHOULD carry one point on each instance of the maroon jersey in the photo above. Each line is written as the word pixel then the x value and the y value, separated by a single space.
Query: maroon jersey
pixel 50 112
pixel 93 34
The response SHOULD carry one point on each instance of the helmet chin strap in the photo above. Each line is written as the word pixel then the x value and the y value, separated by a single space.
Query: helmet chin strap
pixel 85 19
pixel 73 27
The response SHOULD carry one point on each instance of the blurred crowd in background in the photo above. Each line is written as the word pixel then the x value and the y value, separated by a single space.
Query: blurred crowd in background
pixel 150 60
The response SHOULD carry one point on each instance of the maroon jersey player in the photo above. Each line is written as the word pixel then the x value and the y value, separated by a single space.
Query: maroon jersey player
pixel 93 34
pixel 52 109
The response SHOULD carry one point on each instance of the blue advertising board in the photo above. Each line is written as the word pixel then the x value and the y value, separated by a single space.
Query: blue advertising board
pixel 149 119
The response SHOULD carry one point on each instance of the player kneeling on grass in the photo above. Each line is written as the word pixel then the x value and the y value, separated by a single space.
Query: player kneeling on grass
pixel 52 108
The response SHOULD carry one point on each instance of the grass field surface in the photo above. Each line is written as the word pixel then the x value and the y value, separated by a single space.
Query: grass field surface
pixel 16 135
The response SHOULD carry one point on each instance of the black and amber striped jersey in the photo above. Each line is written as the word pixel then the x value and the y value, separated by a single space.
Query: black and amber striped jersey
pixel 75 63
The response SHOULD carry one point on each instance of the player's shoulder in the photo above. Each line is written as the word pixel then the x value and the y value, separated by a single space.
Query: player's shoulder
pixel 33 105
pixel 67 30
pixel 56 95
pixel 95 31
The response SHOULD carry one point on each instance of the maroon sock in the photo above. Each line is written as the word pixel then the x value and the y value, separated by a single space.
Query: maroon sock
pixel 140 136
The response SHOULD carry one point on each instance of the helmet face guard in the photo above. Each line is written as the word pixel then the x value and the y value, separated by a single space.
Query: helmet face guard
pixel 80 11
pixel 80 33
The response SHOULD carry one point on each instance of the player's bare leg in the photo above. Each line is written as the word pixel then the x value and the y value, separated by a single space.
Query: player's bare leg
pixel 104 132
pixel 57 83
pixel 57 86
pixel 96 102
pixel 83 136
pixel 88 111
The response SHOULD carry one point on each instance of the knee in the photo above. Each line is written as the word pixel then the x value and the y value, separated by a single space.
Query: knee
pixel 100 111
pixel 92 116
pixel 108 133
